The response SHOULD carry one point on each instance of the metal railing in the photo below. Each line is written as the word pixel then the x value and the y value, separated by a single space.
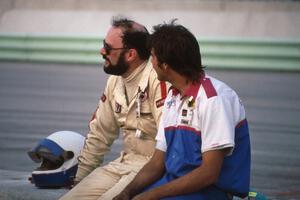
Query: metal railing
pixel 225 53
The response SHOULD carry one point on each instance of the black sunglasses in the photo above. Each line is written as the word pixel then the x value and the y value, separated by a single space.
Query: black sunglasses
pixel 109 48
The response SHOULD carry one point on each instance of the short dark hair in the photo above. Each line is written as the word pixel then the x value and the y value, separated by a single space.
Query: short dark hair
pixel 176 46
pixel 135 36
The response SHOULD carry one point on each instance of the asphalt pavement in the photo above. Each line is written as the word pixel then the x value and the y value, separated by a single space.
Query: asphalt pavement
pixel 39 99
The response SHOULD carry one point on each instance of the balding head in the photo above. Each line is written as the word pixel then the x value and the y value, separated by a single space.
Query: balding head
pixel 135 35
pixel 127 24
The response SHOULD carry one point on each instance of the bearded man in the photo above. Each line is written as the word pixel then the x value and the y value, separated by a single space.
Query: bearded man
pixel 131 105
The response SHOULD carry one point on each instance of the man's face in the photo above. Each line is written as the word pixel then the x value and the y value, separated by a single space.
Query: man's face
pixel 158 67
pixel 114 53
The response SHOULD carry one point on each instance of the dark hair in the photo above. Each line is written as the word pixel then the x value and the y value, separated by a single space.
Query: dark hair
pixel 135 36
pixel 176 46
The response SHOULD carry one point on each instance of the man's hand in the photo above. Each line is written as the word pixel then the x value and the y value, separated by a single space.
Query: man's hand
pixel 124 195
pixel 73 185
pixel 145 196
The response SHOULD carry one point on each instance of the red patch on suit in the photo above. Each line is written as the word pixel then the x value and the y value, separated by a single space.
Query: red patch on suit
pixel 118 108
pixel 160 102
pixel 103 98
pixel 184 113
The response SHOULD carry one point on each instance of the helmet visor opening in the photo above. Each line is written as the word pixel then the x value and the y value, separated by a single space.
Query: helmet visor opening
pixel 50 161
pixel 50 165
pixel 49 156
pixel 34 156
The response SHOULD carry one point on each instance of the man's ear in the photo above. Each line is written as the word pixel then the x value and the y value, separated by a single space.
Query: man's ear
pixel 131 55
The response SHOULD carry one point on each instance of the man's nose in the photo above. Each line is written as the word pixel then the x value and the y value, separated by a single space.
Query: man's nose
pixel 102 51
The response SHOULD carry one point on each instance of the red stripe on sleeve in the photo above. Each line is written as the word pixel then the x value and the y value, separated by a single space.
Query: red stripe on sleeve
pixel 163 89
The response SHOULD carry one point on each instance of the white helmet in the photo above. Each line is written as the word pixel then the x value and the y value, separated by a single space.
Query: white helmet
pixel 58 154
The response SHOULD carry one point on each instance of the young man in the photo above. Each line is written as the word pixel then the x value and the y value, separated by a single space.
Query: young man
pixel 131 103
pixel 203 147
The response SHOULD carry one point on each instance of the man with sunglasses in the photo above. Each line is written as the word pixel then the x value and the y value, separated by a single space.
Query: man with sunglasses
pixel 131 104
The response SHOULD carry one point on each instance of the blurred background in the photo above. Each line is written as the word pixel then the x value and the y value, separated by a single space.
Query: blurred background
pixel 51 76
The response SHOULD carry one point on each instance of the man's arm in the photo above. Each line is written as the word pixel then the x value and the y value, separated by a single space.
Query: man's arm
pixel 150 173
pixel 206 174
pixel 103 131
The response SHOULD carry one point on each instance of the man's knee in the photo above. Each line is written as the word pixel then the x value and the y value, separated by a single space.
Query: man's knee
pixel 118 187
pixel 93 186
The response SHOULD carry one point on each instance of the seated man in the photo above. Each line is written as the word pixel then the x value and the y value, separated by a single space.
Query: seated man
pixel 203 147
pixel 131 102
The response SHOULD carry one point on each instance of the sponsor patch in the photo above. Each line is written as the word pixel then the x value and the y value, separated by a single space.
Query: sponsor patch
pixel 184 113
pixel 160 102
pixel 118 108
pixel 183 121
pixel 170 103
pixel 103 98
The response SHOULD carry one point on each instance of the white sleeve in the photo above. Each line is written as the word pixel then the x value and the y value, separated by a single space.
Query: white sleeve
pixel 218 124
pixel 161 143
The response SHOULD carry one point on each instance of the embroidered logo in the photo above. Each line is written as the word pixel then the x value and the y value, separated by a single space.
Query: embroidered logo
pixel 160 102
pixel 184 113
pixel 184 121
pixel 171 103
pixel 118 108
pixel 103 98
pixel 191 102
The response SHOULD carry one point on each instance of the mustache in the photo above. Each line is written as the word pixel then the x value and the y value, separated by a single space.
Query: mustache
pixel 105 58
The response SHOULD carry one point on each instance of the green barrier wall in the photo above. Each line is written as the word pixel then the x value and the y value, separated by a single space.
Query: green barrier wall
pixel 228 53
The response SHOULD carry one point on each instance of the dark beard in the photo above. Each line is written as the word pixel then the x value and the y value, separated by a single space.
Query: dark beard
pixel 118 69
